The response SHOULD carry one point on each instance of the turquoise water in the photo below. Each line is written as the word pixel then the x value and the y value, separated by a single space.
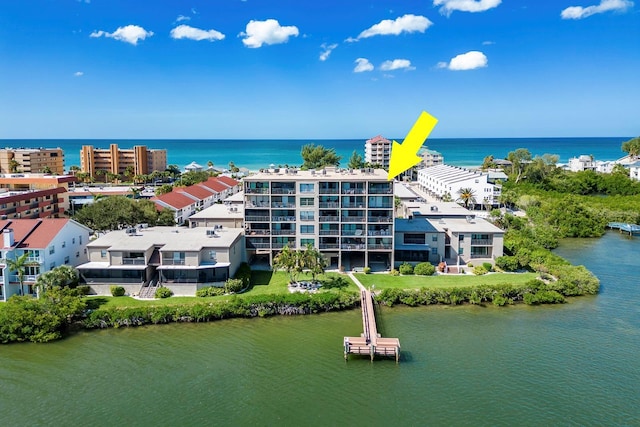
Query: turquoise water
pixel 575 364
pixel 256 154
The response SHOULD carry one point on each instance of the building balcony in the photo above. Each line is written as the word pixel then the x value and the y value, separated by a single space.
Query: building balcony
pixel 334 205
pixel 283 191
pixel 328 190
pixel 329 246
pixel 414 241
pixel 282 205
pixel 329 232
pixel 256 190
pixel 380 190
pixel 352 232
pixel 172 262
pixel 481 242
pixel 257 245
pixel 380 206
pixel 353 191
pixel 283 218
pixel 353 205
pixel 284 232
pixel 353 246
pixel 133 261
pixel 353 219
pixel 257 204
pixel 380 219
pixel 291 245
pixel 329 219
pixel 257 218
pixel 383 246
pixel 379 233
pixel 27 278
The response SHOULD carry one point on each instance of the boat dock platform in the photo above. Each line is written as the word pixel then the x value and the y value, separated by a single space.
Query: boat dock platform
pixel 370 342
pixel 632 229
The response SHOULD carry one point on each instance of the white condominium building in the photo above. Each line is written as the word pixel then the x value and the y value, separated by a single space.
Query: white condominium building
pixel 445 180
pixel 377 151
pixel 347 215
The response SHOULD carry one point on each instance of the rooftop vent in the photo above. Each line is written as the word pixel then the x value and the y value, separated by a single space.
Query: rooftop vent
pixel 131 231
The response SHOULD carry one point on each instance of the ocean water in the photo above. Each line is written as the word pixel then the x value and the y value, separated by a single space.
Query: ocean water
pixel 255 154
pixel 573 364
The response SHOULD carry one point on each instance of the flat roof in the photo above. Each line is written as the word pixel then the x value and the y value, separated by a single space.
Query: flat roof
pixel 220 211
pixel 328 173
pixel 236 198
pixel 476 225
pixel 403 191
pixel 437 209
pixel 169 238
pixel 414 225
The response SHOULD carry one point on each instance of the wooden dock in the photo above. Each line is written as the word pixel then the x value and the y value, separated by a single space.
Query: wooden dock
pixel 632 229
pixel 370 342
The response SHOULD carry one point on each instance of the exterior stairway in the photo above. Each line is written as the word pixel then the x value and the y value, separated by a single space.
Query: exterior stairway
pixel 148 290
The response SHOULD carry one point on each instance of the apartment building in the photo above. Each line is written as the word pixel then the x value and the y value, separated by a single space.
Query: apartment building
pixel 116 160
pixel 444 180
pixel 182 259
pixel 346 214
pixel 430 157
pixel 49 243
pixel 32 160
pixel 377 151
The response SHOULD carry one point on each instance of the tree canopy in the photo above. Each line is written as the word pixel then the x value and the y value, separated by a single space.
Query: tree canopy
pixel 632 147
pixel 356 161
pixel 117 212
pixel 317 157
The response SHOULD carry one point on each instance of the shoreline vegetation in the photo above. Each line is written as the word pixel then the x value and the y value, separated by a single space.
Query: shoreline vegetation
pixel 558 204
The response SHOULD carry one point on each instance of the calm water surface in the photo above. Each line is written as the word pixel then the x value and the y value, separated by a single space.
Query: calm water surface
pixel 575 364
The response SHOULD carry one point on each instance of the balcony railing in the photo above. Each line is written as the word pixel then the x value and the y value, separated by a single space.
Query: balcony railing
pixel 291 245
pixel 481 242
pixel 329 232
pixel 414 241
pixel 283 191
pixel 353 205
pixel 166 261
pixel 379 233
pixel 257 218
pixel 385 246
pixel 353 219
pixel 353 246
pixel 329 218
pixel 258 245
pixel 256 190
pixel 352 232
pixel 353 191
pixel 380 191
pixel 133 261
pixel 283 218
pixel 257 204
pixel 27 278
pixel 284 232
pixel 258 232
pixel 334 205
pixel 283 205
pixel 34 260
pixel 329 246
pixel 328 190
pixel 380 219
pixel 380 206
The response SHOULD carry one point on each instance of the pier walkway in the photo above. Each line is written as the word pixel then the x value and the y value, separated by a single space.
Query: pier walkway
pixel 632 229
pixel 370 342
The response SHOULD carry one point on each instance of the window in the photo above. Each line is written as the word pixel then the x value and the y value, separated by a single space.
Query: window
pixel 64 244
pixel 73 241
pixel 461 252
pixel 80 240
pixel 52 266
pixel 434 251
pixel 103 253
pixel 32 270
pixel 77 254
pixel 306 215
pixel 305 242
pixel 306 188
pixel 307 229
pixel 306 201
pixel 414 238
pixel 461 237
pixel 52 250
pixel 434 238
pixel 66 260
pixel 212 255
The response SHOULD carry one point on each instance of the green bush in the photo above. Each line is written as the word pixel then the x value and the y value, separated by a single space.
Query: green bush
pixel 394 272
pixel 366 270
pixel 334 282
pixel 501 300
pixel 424 269
pixel 83 290
pixel 233 285
pixel 469 265
pixel 507 263
pixel 116 291
pixel 244 273
pixel 488 266
pixel 406 269
pixel 479 270
pixel 210 291
pixel 163 292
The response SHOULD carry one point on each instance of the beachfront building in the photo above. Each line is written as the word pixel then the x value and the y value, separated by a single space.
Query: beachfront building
pixel 444 181
pixel 31 195
pixel 634 171
pixel 32 160
pixel 49 242
pixel 183 259
pixel 445 232
pixel 186 201
pixel 582 163
pixel 377 151
pixel 430 157
pixel 346 214
pixel 116 160
pixel 221 214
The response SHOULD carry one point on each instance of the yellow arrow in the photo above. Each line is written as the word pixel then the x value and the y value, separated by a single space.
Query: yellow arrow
pixel 405 156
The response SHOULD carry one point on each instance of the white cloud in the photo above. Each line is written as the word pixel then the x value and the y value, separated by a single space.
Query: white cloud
pixel 465 61
pixel 181 18
pixel 270 31
pixel 448 6
pixel 362 64
pixel 327 49
pixel 192 33
pixel 404 24
pixel 579 12
pixel 129 34
pixel 78 74
pixel 488 43
pixel 397 64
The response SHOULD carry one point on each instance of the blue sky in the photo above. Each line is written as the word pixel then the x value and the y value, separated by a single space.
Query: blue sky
pixel 256 69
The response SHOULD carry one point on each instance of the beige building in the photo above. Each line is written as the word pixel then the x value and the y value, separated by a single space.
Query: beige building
pixel 116 160
pixel 182 259
pixel 347 215
pixel 32 160
pixel 377 151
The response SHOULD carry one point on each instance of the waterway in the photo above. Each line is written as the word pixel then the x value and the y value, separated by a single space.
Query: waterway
pixel 574 364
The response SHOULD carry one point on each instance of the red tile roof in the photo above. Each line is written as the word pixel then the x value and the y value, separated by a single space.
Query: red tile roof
pixel 174 199
pixel 215 185
pixel 198 191
pixel 34 233
pixel 228 181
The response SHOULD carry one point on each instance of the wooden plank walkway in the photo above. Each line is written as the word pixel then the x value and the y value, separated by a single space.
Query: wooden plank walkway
pixel 370 342
pixel 632 229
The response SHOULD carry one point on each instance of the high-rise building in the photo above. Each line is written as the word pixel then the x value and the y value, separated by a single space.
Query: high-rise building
pixel 346 214
pixel 377 151
pixel 32 160
pixel 116 160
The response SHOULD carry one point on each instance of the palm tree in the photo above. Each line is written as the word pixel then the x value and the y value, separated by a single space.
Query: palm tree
pixel 74 169
pixel 13 166
pixel 466 196
pixel 19 265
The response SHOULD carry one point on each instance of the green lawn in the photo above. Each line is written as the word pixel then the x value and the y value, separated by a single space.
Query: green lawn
pixel 382 281
pixel 263 283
